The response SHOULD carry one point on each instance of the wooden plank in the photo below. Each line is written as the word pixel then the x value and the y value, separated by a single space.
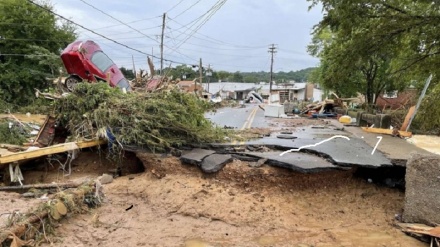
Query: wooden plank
pixel 10 146
pixel 407 118
pixel 60 148
pixel 39 186
pixel 420 229
pixel 387 131
pixel 41 129
pixel 33 118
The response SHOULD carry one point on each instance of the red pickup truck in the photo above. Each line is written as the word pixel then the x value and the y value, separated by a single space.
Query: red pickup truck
pixel 85 61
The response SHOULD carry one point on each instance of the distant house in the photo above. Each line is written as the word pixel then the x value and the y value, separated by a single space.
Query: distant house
pixel 288 91
pixel 189 86
pixel 395 100
pixel 230 90
pixel 298 91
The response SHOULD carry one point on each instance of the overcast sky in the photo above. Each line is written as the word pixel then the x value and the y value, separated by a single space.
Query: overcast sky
pixel 234 36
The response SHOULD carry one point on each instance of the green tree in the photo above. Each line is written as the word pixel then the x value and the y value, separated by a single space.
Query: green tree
pixel 237 77
pixel 31 40
pixel 223 75
pixel 128 73
pixel 355 51
pixel 250 78
pixel 184 72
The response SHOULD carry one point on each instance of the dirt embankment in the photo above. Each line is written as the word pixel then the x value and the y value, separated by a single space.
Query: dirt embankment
pixel 171 204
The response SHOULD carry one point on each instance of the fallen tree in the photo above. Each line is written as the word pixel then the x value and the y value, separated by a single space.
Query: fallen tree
pixel 157 120
pixel 35 226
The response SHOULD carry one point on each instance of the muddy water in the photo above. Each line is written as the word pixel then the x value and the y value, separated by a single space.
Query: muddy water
pixel 429 143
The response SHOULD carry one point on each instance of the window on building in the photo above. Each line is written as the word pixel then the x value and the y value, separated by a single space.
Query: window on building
pixel 390 94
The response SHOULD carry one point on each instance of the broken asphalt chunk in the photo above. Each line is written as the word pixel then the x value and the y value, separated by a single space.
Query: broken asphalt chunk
pixel 245 158
pixel 215 162
pixel 283 136
pixel 258 164
pixel 300 162
pixel 195 156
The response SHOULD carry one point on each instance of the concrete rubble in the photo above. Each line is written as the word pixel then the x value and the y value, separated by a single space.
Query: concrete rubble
pixel 422 190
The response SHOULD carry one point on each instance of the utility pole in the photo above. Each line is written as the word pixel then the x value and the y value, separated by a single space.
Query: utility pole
pixel 161 42
pixel 134 68
pixel 200 76
pixel 208 74
pixel 272 50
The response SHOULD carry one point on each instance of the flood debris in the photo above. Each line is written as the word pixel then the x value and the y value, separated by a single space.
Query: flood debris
pixel 39 186
pixel 35 226
pixel 422 232
pixel 137 118
pixel 392 132
pixel 422 190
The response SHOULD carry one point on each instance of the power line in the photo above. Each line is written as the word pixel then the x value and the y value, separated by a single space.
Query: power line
pixel 292 51
pixel 98 34
pixel 130 22
pixel 143 29
pixel 213 39
pixel 116 19
pixel 26 55
pixel 217 48
pixel 210 13
pixel 174 6
pixel 188 8
pixel 213 53
pixel 205 21
pixel 196 20
pixel 174 41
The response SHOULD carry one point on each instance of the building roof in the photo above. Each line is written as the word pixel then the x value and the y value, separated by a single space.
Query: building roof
pixel 294 86
pixel 215 87
pixel 185 83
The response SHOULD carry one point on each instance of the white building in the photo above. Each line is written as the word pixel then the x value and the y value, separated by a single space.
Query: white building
pixel 288 91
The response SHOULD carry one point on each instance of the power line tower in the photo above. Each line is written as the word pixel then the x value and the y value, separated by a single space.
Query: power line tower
pixel 272 50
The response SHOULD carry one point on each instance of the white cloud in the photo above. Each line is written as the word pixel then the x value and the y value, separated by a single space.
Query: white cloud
pixel 225 41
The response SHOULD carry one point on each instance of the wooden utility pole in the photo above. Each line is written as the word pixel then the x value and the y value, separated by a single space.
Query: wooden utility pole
pixel 161 42
pixel 134 68
pixel 272 50
pixel 208 74
pixel 200 76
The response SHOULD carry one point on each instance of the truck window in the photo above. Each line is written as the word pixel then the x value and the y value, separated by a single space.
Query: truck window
pixel 123 83
pixel 102 61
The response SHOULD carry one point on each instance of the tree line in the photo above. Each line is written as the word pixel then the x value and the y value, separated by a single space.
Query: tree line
pixel 188 72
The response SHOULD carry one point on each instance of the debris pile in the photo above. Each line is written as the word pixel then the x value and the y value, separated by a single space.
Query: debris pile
pixel 35 227
pixel 137 118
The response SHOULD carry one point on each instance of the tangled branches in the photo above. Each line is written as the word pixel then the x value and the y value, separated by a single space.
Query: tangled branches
pixel 157 120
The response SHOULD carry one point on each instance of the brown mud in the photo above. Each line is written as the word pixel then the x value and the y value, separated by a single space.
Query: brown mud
pixel 170 204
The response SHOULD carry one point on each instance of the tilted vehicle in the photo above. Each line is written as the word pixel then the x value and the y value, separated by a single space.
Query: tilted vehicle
pixel 85 61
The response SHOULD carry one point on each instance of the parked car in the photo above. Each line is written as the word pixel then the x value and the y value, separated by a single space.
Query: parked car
pixel 85 61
